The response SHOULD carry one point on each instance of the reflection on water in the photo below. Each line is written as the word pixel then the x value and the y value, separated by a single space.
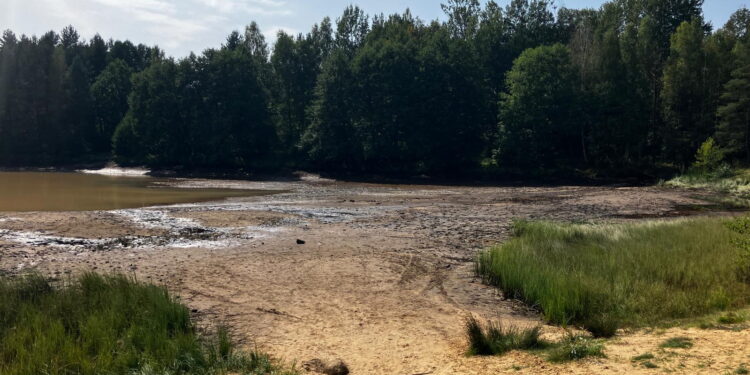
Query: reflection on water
pixel 47 191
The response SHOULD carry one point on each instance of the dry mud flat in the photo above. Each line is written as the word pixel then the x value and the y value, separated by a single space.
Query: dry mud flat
pixel 383 280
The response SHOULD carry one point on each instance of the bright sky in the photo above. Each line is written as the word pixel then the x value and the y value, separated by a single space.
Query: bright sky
pixel 181 26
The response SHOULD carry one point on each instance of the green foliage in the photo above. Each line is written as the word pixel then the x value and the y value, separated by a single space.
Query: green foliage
pixel 603 277
pixel 496 339
pixel 709 157
pixel 125 144
pixel 330 140
pixel 108 325
pixel 408 101
pixel 689 103
pixel 48 112
pixel 733 130
pixel 210 111
pixel 539 125
pixel 110 102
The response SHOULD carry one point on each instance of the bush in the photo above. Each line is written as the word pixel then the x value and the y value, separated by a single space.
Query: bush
pixel 602 277
pixel 709 157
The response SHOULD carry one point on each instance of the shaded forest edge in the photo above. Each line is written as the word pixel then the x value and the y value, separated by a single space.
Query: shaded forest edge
pixel 637 89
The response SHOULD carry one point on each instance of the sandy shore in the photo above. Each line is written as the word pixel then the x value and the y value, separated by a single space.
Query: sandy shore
pixel 383 280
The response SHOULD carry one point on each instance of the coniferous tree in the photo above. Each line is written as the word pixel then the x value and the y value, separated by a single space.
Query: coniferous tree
pixel 109 95
pixel 733 131
pixel 687 109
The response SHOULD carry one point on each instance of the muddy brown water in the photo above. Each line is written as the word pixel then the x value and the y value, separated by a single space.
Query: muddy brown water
pixel 53 191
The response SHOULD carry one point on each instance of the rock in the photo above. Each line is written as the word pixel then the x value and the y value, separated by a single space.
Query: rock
pixel 336 367
pixel 300 242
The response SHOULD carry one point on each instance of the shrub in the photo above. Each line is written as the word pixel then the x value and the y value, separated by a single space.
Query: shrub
pixel 709 157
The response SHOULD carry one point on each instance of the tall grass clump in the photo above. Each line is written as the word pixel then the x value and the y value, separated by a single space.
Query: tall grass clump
pixel 604 277
pixel 497 339
pixel 108 325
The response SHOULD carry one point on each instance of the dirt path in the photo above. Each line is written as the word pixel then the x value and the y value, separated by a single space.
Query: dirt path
pixel 383 280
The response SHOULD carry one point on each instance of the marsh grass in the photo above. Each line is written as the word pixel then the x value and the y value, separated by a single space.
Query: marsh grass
pixel 604 277
pixel 109 325
pixel 495 339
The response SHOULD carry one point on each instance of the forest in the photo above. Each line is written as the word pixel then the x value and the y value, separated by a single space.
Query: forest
pixel 631 89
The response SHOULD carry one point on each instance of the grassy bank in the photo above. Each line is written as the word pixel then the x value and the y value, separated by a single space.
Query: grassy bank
pixel 733 185
pixel 604 277
pixel 109 325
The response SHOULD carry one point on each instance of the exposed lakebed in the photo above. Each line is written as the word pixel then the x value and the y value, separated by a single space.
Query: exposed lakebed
pixel 382 279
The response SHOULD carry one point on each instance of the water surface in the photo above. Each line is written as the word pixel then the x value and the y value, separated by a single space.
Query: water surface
pixel 52 191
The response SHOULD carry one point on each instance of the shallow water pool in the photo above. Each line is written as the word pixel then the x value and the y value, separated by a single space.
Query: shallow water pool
pixel 54 191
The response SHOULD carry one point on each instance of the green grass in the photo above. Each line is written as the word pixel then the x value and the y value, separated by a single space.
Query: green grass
pixel 733 184
pixel 742 370
pixel 677 343
pixel 109 325
pixel 643 357
pixel 497 339
pixel 576 347
pixel 645 360
pixel 605 277
pixel 731 318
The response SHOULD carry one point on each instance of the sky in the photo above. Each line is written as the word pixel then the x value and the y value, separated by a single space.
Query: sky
pixel 182 26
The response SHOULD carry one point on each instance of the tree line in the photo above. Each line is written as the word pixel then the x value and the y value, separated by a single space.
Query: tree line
pixel 634 86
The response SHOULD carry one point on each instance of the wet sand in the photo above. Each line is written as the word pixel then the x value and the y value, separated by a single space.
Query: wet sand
pixel 383 280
